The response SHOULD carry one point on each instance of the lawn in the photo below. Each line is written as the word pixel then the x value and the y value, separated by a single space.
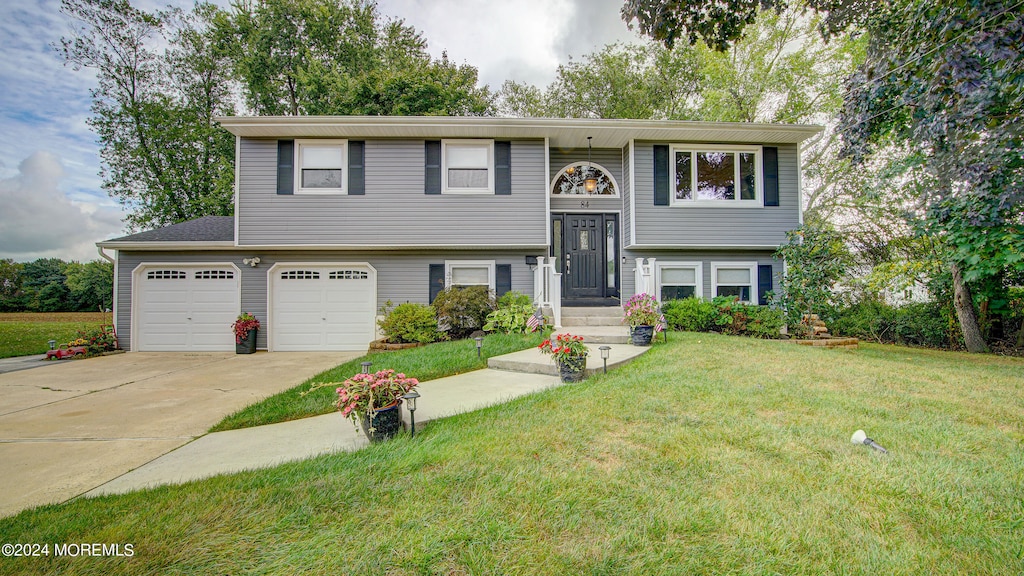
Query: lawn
pixel 710 454
pixel 425 363
pixel 27 333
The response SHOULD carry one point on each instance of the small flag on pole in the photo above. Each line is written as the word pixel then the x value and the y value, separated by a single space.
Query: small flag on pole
pixel 535 321
pixel 660 326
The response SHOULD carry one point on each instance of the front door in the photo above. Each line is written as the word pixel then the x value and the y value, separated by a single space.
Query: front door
pixel 586 246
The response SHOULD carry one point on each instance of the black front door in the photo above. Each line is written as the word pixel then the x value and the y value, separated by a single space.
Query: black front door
pixel 586 246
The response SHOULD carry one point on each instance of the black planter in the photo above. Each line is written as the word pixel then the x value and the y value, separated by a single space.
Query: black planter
pixel 572 371
pixel 247 345
pixel 383 423
pixel 642 335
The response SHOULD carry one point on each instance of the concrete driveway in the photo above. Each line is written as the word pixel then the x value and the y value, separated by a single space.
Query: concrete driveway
pixel 71 426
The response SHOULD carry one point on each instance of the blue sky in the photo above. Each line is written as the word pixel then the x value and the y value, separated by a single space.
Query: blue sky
pixel 50 188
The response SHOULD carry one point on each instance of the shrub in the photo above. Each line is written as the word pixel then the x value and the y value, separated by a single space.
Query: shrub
pixel 764 321
pixel 409 322
pixel 460 310
pixel 514 298
pixel 915 324
pixel 96 341
pixel 690 314
pixel 512 319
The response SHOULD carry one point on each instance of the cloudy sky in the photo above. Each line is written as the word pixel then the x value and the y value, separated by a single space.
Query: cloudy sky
pixel 51 202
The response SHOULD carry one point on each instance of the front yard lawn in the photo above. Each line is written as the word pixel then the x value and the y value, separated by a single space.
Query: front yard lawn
pixel 424 363
pixel 708 455
pixel 27 333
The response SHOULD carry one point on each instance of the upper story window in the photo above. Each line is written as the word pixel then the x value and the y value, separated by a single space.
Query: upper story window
pixel 321 166
pixel 716 174
pixel 572 180
pixel 467 166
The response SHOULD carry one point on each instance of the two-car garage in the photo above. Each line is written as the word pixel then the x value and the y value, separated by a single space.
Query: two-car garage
pixel 190 307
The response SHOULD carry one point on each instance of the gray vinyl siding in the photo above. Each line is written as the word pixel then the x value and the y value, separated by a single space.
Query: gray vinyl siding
pixel 718 226
pixel 608 158
pixel 705 257
pixel 401 277
pixel 394 210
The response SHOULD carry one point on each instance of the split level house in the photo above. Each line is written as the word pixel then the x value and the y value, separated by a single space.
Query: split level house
pixel 334 216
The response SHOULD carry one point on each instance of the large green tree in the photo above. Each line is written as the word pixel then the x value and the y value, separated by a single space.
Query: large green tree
pixel 162 80
pixel 941 83
pixel 324 57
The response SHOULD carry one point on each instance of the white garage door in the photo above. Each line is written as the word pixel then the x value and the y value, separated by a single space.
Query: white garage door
pixel 182 308
pixel 323 307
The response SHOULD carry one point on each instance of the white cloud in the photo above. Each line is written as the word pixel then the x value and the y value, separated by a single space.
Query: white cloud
pixel 39 219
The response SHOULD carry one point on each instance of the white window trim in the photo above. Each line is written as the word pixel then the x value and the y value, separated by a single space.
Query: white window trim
pixel 698 273
pixel 758 200
pixel 297 163
pixel 752 266
pixel 450 264
pixel 611 177
pixel 490 167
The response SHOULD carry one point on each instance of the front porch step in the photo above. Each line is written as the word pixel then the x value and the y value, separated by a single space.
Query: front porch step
pixel 532 361
pixel 617 334
pixel 599 316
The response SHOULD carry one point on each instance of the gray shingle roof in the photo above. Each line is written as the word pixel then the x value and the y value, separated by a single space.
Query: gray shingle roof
pixel 205 229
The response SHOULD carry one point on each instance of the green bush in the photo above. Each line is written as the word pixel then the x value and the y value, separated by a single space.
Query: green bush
pixel 462 310
pixel 510 319
pixel 408 323
pixel 764 322
pixel 514 298
pixel 690 314
pixel 916 324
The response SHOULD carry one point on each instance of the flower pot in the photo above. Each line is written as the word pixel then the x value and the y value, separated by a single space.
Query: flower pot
pixel 642 335
pixel 383 423
pixel 572 370
pixel 247 345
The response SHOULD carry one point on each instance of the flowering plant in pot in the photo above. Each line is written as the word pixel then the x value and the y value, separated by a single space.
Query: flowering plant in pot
pixel 643 314
pixel 373 401
pixel 570 353
pixel 245 327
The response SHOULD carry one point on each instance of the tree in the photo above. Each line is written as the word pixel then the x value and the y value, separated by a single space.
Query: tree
pixel 12 299
pixel 324 57
pixel 91 285
pixel 43 282
pixel 941 80
pixel 163 157
pixel 816 259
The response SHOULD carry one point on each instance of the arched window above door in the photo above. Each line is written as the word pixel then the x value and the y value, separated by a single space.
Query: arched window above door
pixel 571 181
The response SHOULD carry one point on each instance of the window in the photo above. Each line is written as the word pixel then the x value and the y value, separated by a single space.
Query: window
pixel 571 180
pixel 469 273
pixel 166 275
pixel 215 275
pixel 300 275
pixel 735 279
pixel 321 166
pixel 716 174
pixel 466 166
pixel 678 280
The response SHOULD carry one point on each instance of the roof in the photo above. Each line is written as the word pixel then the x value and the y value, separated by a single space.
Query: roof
pixel 209 230
pixel 564 133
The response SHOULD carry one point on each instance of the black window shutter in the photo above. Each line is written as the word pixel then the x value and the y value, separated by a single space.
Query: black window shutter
pixel 503 168
pixel 661 176
pixel 432 167
pixel 356 168
pixel 770 157
pixel 764 283
pixel 502 279
pixel 285 166
pixel 436 280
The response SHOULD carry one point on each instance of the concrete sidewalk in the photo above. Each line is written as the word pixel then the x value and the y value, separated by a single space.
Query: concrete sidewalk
pixel 267 446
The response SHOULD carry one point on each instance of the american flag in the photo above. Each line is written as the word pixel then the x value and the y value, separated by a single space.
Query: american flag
pixel 660 326
pixel 535 321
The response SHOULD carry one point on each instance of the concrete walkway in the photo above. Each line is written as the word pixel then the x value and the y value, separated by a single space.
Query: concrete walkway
pixel 22 363
pixel 267 446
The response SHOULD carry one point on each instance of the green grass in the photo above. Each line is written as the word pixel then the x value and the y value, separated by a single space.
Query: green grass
pixel 708 455
pixel 424 363
pixel 27 333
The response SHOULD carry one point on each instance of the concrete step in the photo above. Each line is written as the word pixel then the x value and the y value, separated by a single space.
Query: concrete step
pixel 532 361
pixel 617 334
pixel 592 316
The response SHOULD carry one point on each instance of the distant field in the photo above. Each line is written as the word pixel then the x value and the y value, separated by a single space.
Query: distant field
pixel 26 333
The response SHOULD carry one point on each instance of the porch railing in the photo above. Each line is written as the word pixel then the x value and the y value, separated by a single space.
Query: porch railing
pixel 547 288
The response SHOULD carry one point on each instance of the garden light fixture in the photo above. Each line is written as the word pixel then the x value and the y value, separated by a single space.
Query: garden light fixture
pixel 366 367
pixel 479 344
pixel 859 437
pixel 410 399
pixel 605 352
pixel 53 344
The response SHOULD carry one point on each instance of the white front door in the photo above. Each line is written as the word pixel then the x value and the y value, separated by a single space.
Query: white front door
pixel 185 308
pixel 322 307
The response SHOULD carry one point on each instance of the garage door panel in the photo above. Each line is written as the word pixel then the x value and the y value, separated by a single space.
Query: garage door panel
pixel 187 308
pixel 323 308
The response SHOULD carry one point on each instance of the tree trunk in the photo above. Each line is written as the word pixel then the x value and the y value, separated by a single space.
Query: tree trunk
pixel 964 306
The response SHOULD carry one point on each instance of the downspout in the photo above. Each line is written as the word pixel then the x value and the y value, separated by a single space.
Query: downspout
pixel 113 297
